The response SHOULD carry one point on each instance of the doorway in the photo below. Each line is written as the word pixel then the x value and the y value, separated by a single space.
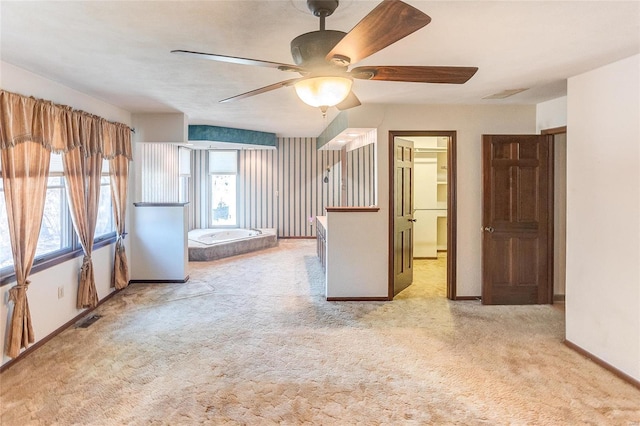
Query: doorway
pixel 524 210
pixel 559 143
pixel 517 219
pixel 417 209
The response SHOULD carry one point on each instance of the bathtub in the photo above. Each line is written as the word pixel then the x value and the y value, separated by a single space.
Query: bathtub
pixel 212 244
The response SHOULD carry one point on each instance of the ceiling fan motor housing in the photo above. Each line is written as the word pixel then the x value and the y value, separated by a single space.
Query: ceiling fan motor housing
pixel 310 49
pixel 322 7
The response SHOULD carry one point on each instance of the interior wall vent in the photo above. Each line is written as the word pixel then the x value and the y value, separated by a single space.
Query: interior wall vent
pixel 85 323
pixel 505 93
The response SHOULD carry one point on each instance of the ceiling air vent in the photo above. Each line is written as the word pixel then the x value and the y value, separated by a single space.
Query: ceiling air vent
pixel 505 94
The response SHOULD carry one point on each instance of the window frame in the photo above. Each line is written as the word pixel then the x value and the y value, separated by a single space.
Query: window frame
pixel 66 233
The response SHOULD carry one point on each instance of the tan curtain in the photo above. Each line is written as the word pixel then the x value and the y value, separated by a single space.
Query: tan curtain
pixel 33 120
pixel 117 148
pixel 119 173
pixel 25 169
pixel 82 173
pixel 29 129
pixel 116 140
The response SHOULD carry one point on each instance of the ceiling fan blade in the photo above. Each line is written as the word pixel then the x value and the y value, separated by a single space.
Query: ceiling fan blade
pixel 351 101
pixel 389 22
pixel 450 75
pixel 262 90
pixel 240 61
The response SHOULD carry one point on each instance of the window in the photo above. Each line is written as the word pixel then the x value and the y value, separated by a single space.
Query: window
pixel 57 236
pixel 105 226
pixel 56 230
pixel 223 169
pixel 56 225
pixel 6 258
pixel 54 235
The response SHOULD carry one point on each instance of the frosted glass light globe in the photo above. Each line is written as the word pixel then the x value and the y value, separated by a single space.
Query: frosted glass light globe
pixel 323 91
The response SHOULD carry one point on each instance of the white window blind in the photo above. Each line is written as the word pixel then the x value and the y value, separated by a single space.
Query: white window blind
pixel 55 166
pixel 223 162
pixel 184 168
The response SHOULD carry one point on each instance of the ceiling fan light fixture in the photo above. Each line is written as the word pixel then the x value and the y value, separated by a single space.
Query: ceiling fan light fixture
pixel 323 91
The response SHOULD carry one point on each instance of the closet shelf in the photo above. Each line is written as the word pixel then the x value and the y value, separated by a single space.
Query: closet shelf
pixel 431 149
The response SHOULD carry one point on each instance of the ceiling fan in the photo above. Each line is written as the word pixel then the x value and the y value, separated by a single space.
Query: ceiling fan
pixel 323 57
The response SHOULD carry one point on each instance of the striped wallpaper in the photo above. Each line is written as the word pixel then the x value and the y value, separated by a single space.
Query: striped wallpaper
pixel 279 188
pixel 257 187
pixel 302 194
pixel 361 176
pixel 158 164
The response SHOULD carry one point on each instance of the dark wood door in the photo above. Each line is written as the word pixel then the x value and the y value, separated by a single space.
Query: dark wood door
pixel 403 215
pixel 517 220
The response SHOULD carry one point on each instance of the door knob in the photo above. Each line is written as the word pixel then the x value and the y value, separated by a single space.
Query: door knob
pixel 412 220
pixel 489 229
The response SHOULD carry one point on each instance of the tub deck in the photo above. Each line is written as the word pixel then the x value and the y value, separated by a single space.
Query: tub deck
pixel 200 252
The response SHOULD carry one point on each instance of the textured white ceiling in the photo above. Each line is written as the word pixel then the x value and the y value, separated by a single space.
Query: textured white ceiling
pixel 118 51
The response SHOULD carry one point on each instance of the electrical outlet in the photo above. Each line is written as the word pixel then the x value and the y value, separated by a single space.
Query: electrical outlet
pixel 60 292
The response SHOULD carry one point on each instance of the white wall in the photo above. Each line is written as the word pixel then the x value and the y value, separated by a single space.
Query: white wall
pixel 551 114
pixel 352 269
pixel 161 127
pixel 470 122
pixel 26 83
pixel 159 243
pixel 47 311
pixel 603 214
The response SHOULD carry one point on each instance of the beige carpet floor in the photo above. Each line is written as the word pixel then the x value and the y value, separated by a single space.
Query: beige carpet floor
pixel 250 340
